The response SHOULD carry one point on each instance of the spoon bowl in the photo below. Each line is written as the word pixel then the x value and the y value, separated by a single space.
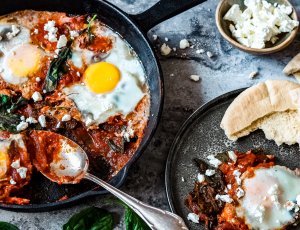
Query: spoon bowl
pixel 68 164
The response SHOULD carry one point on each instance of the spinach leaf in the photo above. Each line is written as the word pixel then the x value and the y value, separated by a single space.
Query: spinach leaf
pixel 92 218
pixel 56 69
pixel 91 36
pixel 7 226
pixel 8 120
pixel 133 221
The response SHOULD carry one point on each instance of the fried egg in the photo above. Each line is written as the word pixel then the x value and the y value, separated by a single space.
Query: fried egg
pixel 5 158
pixel 113 86
pixel 20 59
pixel 270 198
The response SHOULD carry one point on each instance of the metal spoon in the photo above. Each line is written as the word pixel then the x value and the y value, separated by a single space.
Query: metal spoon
pixel 70 165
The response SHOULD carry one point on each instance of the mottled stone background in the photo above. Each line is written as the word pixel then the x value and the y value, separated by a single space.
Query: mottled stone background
pixel 227 70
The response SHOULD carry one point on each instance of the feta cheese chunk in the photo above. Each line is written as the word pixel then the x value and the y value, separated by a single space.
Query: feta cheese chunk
pixel 36 96
pixel 195 78
pixel 214 161
pixel 74 34
pixel 16 164
pixel 165 49
pixel 11 181
pixel 22 172
pixel 200 177
pixel 22 126
pixel 224 198
pixel 62 41
pixel 66 117
pixel 183 44
pixel 193 217
pixel 232 156
pixel 52 30
pixel 210 172
pixel 42 120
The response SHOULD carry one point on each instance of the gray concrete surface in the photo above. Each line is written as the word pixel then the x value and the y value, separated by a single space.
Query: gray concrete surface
pixel 227 70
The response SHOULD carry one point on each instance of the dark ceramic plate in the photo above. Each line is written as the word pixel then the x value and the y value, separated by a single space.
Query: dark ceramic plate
pixel 200 136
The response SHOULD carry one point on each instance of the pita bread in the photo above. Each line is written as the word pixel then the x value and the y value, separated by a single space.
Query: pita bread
pixel 245 114
pixel 293 67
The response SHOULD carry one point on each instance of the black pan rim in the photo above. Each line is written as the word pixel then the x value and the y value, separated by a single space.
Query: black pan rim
pixel 220 99
pixel 144 143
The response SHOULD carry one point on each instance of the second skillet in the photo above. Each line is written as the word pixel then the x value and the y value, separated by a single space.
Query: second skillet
pixel 133 29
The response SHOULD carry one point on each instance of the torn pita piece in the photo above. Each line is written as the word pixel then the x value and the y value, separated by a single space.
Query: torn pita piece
pixel 293 67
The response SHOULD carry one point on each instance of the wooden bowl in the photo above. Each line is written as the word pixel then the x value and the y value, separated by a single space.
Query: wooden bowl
pixel 284 40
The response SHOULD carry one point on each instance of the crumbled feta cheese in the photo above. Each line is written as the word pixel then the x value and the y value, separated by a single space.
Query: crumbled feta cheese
pixel 62 41
pixel 209 54
pixel 15 31
pixel 232 156
pixel 89 121
pixel 36 96
pixel 22 118
pixel 42 120
pixel 193 217
pixel 37 79
pixel 12 181
pixel 210 172
pixel 298 199
pixel 78 74
pixel 16 164
pixel 31 120
pixel 183 44
pixel 200 51
pixel 22 126
pixel 165 49
pixel 154 36
pixel 253 74
pixel 66 117
pixel 200 177
pixel 195 77
pixel 224 198
pixel 74 34
pixel 239 192
pixel 229 186
pixel 260 22
pixel 22 172
pixel 58 125
pixel 36 31
pixel 214 161
pixel 52 30
pixel 237 174
pixel 44 91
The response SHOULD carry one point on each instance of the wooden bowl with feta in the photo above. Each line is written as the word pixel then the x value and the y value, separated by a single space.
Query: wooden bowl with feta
pixel 257 27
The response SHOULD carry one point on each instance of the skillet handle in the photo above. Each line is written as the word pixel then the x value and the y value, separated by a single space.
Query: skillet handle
pixel 162 11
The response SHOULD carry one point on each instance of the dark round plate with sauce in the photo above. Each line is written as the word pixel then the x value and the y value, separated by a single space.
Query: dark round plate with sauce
pixel 201 136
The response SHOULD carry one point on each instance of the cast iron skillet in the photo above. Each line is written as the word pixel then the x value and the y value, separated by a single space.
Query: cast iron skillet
pixel 133 28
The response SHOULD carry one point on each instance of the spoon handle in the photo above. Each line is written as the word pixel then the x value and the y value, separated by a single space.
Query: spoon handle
pixel 157 219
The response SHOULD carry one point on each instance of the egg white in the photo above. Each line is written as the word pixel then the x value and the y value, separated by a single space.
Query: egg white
pixel 124 97
pixel 257 198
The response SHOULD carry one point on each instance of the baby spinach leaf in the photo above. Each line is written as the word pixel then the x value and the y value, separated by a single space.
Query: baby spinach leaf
pixel 134 221
pixel 56 69
pixel 92 218
pixel 7 226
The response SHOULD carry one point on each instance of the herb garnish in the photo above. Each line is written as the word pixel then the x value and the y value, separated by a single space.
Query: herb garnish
pixel 115 147
pixel 57 68
pixel 91 36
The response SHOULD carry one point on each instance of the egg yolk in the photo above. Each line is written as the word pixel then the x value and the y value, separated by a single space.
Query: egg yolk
pixel 24 60
pixel 102 77
pixel 3 164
